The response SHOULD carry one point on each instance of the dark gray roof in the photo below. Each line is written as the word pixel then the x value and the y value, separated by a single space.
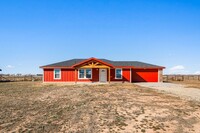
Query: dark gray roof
pixel 67 63
pixel 135 64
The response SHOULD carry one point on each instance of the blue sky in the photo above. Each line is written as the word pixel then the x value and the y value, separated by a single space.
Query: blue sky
pixel 38 32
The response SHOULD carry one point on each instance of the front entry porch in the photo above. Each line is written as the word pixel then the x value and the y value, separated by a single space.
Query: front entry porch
pixel 98 70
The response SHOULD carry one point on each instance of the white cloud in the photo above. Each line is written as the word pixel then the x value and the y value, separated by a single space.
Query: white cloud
pixel 10 66
pixel 197 72
pixel 177 68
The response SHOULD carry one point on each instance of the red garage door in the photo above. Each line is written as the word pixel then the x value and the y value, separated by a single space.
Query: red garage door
pixel 145 75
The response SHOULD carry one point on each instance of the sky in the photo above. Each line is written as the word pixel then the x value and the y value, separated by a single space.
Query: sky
pixel 40 32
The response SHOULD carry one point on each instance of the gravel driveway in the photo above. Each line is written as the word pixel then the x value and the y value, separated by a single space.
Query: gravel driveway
pixel 177 89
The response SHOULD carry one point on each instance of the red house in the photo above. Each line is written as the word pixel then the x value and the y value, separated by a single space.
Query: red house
pixel 101 70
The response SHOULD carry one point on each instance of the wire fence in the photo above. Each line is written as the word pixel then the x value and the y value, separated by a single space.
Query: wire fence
pixel 15 78
pixel 167 78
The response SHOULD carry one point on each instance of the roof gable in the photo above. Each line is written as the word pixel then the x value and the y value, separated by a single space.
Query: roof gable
pixel 92 59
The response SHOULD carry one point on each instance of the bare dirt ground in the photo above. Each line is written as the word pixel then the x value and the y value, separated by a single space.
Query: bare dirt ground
pixel 181 90
pixel 37 107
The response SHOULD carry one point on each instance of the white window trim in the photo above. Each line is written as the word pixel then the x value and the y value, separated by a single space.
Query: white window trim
pixel 84 73
pixel 116 73
pixel 54 76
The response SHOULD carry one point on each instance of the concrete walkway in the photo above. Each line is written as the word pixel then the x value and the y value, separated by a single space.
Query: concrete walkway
pixel 177 89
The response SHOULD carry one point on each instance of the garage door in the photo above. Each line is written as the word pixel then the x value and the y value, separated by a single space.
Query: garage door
pixel 145 75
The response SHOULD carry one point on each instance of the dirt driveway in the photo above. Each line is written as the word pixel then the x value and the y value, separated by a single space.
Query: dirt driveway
pixel 109 108
pixel 182 91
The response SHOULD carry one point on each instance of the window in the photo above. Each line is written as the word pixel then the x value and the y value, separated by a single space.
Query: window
pixel 85 74
pixel 81 73
pixel 88 73
pixel 57 74
pixel 118 73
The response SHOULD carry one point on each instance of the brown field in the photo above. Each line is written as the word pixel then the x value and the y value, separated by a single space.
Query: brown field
pixel 37 107
pixel 189 83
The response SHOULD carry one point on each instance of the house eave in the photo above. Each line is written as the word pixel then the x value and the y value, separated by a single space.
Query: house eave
pixel 125 67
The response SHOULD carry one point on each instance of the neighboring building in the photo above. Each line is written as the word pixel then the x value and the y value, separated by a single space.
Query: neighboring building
pixel 101 70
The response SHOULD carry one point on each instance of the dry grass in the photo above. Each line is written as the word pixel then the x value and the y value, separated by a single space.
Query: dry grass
pixel 36 107
pixel 189 83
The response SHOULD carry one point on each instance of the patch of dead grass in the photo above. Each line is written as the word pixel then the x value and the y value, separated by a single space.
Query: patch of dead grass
pixel 37 107
pixel 189 83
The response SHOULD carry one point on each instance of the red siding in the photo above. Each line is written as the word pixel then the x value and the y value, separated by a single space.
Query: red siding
pixel 145 75
pixel 138 75
pixel 48 75
pixel 68 75
pixel 95 74
pixel 125 75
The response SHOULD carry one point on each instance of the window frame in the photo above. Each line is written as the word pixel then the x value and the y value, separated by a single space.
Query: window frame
pixel 84 73
pixel 54 74
pixel 79 74
pixel 116 73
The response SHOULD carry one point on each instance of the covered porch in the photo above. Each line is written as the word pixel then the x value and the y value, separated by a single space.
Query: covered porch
pixel 94 71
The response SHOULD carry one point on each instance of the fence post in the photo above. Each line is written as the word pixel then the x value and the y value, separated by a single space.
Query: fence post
pixel 32 79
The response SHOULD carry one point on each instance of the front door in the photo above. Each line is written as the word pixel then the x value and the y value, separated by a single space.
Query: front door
pixel 102 75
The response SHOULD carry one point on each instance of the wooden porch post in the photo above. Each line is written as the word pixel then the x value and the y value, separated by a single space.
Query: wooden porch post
pixel 109 75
